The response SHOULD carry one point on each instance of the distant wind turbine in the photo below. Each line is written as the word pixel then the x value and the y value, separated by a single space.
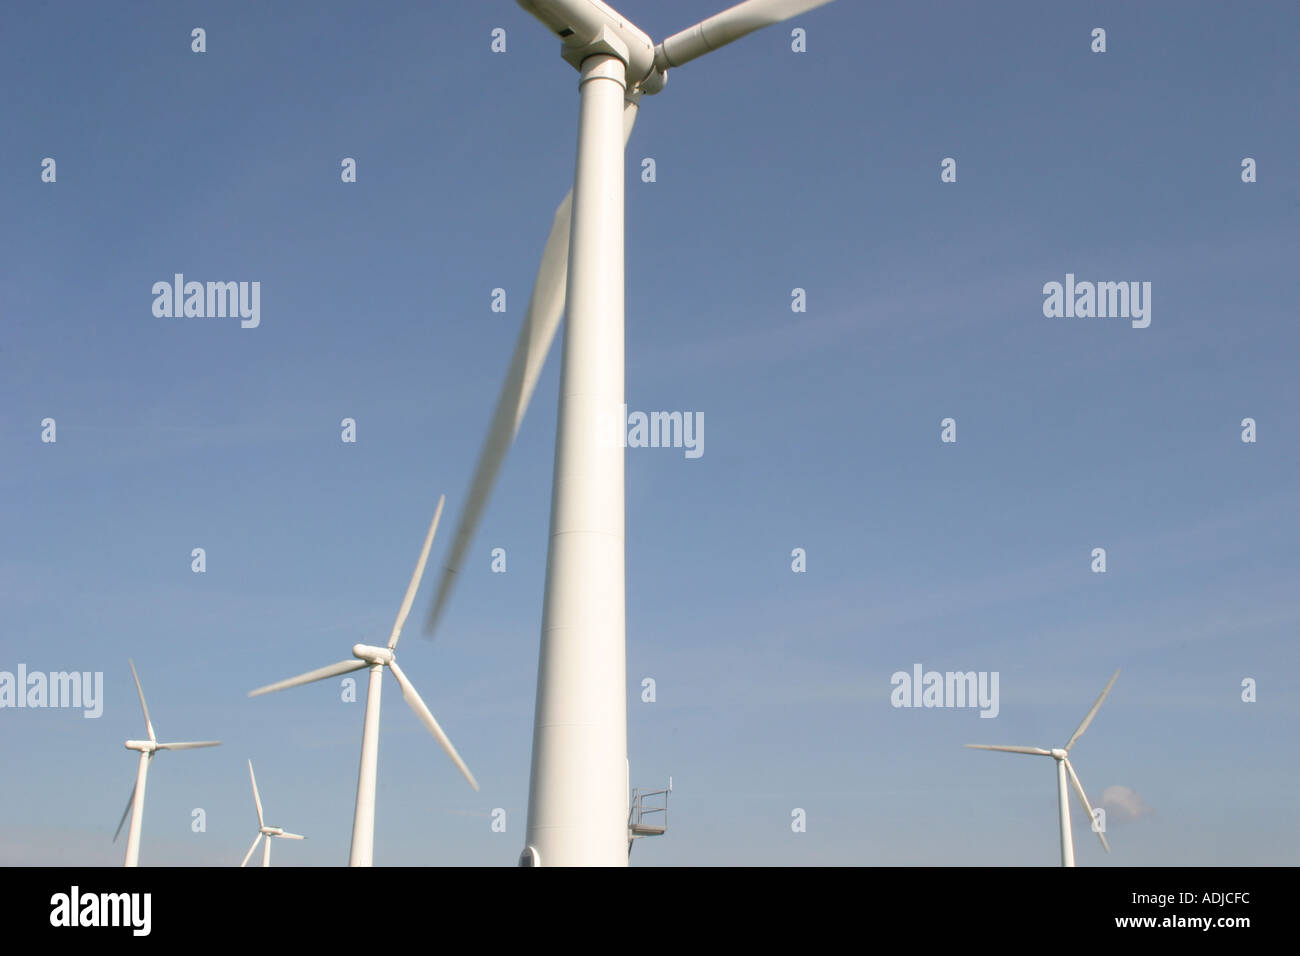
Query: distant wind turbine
pixel 262 829
pixel 1063 767
pixel 377 658
pixel 147 748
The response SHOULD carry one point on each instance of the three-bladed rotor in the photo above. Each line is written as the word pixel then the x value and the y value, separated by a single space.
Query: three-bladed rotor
pixel 147 749
pixel 1062 756
pixel 367 656
pixel 263 830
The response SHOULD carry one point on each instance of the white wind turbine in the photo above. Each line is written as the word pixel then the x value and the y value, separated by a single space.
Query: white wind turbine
pixel 1063 767
pixel 147 748
pixel 262 829
pixel 578 789
pixel 377 658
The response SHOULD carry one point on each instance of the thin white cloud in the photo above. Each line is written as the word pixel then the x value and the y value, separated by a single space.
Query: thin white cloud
pixel 1124 804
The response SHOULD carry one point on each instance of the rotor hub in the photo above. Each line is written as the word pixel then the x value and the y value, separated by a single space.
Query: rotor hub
pixel 374 655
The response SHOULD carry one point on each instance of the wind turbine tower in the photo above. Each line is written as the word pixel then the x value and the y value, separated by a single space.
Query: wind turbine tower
pixel 578 795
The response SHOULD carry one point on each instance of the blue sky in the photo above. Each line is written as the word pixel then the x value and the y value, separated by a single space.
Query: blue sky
pixel 775 170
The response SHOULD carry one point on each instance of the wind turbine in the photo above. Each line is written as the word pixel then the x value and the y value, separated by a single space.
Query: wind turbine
pixel 1063 767
pixel 147 748
pixel 578 789
pixel 377 658
pixel 262 829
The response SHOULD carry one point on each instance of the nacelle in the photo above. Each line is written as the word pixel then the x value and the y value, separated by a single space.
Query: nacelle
pixel 375 655
pixel 588 27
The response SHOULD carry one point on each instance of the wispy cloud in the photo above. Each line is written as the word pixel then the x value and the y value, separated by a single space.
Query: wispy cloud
pixel 1124 804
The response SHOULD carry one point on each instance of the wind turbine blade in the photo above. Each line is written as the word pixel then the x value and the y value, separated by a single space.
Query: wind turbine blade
pixel 257 800
pixel 415 578
pixel 148 724
pixel 545 308
pixel 342 667
pixel 731 24
pixel 536 334
pixel 256 840
pixel 1039 751
pixel 190 745
pixel 422 711
pixel 1083 798
pixel 291 836
pixel 1092 713
pixel 125 813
